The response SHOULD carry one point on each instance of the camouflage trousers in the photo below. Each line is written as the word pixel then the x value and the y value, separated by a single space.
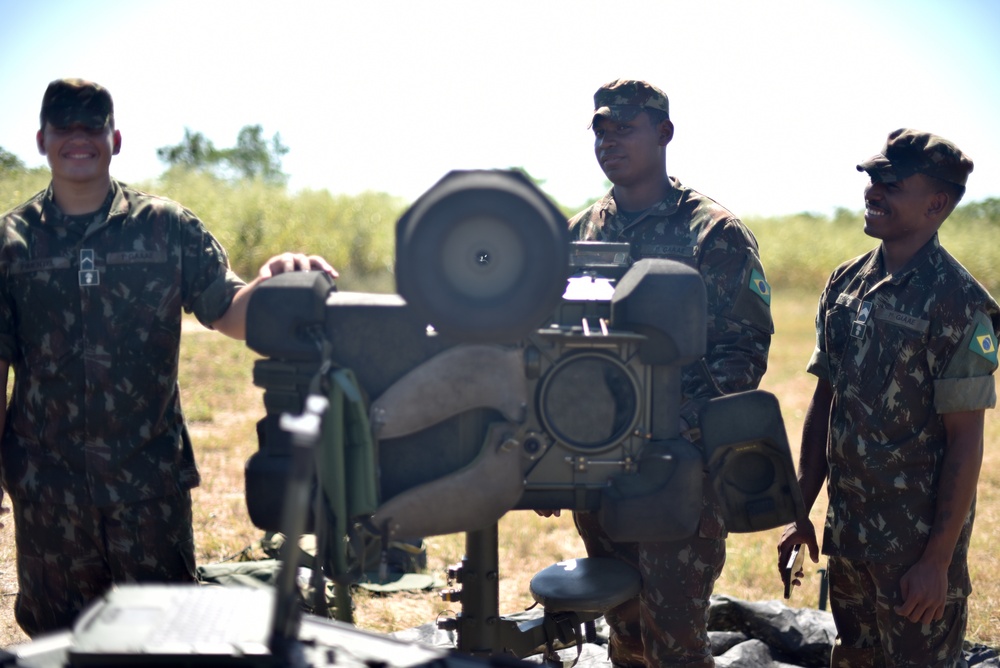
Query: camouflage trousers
pixel 871 635
pixel 666 625
pixel 69 555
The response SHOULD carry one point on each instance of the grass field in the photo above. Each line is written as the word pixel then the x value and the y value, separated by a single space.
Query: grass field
pixel 222 406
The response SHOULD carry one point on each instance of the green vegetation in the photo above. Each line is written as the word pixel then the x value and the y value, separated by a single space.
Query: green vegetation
pixel 801 250
pixel 256 218
pixel 9 162
pixel 252 157
pixel 18 184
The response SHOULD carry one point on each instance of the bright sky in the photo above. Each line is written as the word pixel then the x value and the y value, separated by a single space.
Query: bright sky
pixel 774 102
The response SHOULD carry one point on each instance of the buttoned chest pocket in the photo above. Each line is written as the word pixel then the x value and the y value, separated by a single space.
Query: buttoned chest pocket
pixel 895 368
pixel 141 288
pixel 135 271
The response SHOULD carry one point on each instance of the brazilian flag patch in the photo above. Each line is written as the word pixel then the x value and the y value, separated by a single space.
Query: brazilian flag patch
pixel 984 343
pixel 760 288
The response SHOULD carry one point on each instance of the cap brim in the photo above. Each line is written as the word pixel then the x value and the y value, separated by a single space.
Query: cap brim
pixel 880 168
pixel 92 112
pixel 616 112
pixel 67 117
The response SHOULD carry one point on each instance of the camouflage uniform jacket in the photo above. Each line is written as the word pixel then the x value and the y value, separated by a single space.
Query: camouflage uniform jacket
pixel 693 229
pixel 90 321
pixel 898 351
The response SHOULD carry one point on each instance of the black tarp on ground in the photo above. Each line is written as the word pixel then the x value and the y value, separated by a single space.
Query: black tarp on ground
pixel 745 634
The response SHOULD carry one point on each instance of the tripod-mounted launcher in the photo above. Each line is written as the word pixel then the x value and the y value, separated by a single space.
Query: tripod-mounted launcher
pixel 513 370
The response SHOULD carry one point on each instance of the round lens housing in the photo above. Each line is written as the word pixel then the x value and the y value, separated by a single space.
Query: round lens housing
pixel 589 401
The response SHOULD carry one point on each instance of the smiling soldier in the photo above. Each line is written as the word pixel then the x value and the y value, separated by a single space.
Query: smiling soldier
pixel 95 453
pixel 905 352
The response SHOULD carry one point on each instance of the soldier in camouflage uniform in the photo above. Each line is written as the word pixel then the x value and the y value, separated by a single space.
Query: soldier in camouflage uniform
pixel 95 453
pixel 666 624
pixel 906 349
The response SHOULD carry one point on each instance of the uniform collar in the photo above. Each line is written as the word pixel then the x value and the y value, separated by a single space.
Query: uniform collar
pixel 919 258
pixel 667 206
pixel 119 203
pixel 874 268
pixel 114 204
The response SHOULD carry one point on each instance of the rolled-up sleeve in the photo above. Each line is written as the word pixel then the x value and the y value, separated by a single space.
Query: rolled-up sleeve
pixel 967 382
pixel 209 284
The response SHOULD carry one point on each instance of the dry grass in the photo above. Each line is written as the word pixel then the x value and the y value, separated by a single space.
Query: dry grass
pixel 223 406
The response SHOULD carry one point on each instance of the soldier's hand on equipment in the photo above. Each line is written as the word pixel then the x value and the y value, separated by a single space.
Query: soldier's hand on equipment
pixel 287 262
pixel 548 513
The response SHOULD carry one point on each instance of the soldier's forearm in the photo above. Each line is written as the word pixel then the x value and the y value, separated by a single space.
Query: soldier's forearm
pixel 813 466
pixel 957 484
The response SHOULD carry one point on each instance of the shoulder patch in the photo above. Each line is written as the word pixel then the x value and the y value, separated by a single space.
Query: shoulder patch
pixel 984 343
pixel 760 287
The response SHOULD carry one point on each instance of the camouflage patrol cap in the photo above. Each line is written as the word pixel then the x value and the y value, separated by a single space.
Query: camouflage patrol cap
pixel 69 101
pixel 907 152
pixel 623 99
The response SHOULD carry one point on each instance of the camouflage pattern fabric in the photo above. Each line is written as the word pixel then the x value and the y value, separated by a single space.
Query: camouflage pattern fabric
pixel 623 99
pixel 870 635
pixel 68 555
pixel 678 577
pixel 690 228
pixel 68 101
pixel 898 351
pixel 90 320
pixel 907 152
pixel 667 625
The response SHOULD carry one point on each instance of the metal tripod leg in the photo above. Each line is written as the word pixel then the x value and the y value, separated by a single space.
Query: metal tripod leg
pixel 478 623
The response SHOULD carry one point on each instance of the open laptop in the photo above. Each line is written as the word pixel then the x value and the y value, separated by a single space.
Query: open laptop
pixel 195 625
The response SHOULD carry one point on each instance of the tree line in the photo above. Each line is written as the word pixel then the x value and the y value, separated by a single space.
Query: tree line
pixel 241 191
pixel 254 157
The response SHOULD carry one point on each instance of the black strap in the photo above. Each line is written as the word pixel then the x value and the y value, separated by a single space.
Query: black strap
pixel 566 628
